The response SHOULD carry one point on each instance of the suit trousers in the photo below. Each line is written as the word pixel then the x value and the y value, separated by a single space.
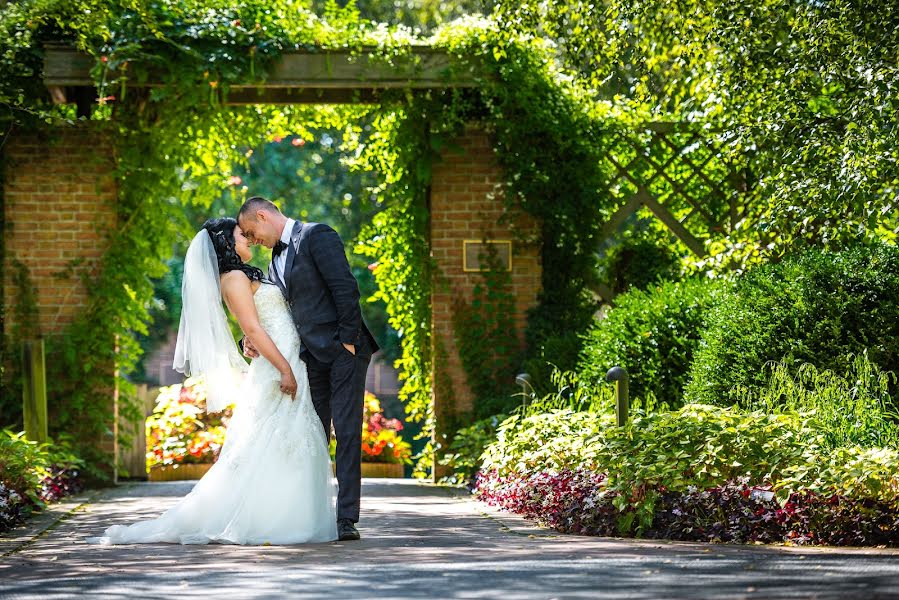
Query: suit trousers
pixel 338 394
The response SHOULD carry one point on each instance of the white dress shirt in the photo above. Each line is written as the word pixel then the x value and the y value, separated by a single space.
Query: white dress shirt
pixel 281 260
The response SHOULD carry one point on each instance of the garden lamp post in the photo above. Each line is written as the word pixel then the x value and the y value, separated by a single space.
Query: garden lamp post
pixel 618 375
pixel 524 380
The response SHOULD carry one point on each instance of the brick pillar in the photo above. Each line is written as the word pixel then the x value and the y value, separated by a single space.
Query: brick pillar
pixel 58 203
pixel 466 204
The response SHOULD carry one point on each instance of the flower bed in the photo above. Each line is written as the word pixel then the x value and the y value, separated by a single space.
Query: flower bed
pixel 180 432
pixel 699 473
pixel 575 502
pixel 381 439
pixel 33 475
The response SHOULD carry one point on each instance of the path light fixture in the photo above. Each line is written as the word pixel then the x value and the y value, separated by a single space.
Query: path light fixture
pixel 524 380
pixel 618 375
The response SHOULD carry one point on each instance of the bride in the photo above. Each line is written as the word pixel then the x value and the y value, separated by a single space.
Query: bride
pixel 272 482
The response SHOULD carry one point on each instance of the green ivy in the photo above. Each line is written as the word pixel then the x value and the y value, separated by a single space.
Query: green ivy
pixel 486 337
pixel 24 310
pixel 176 144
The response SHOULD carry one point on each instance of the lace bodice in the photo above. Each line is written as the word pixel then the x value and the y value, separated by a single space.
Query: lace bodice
pixel 275 318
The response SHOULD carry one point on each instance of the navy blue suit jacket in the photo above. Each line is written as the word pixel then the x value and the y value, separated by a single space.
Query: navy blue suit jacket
pixel 323 294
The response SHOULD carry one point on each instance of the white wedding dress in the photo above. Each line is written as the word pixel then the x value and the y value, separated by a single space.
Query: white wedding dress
pixel 272 482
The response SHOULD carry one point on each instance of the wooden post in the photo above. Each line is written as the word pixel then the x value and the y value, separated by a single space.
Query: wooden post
pixel 34 390
pixel 133 457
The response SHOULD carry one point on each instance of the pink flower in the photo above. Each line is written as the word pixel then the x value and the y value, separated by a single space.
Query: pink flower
pixel 297 142
pixel 234 180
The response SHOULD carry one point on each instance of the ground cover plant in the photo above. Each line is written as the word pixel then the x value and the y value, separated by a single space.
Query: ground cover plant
pixel 700 473
pixel 33 475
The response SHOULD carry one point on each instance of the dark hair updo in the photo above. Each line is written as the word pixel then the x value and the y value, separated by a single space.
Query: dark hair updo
pixel 221 231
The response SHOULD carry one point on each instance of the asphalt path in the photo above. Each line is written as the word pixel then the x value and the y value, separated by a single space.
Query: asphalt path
pixel 418 541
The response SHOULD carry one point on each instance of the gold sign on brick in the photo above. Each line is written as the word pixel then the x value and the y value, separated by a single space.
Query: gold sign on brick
pixel 474 250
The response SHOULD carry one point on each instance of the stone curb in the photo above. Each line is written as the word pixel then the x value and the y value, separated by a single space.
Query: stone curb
pixel 41 523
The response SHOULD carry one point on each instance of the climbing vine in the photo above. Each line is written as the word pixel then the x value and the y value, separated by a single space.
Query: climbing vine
pixel 24 310
pixel 177 143
pixel 486 337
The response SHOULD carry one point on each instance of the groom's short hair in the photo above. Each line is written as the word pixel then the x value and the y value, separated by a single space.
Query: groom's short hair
pixel 249 208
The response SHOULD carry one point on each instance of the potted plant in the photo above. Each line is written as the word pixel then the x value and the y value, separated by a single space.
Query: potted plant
pixel 183 441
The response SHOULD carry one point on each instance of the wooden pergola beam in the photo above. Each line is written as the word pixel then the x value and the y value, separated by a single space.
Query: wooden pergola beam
pixel 298 77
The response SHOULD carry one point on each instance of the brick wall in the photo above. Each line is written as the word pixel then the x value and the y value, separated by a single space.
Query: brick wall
pixel 58 199
pixel 465 206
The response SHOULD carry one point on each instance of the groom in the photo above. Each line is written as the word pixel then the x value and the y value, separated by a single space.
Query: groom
pixel 310 267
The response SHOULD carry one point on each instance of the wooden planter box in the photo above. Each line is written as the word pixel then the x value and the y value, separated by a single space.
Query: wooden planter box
pixel 191 471
pixel 178 472
pixel 370 469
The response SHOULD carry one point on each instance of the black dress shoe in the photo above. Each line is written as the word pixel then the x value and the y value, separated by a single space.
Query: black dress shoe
pixel 346 530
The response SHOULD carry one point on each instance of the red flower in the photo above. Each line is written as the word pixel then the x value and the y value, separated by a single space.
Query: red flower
pixel 298 142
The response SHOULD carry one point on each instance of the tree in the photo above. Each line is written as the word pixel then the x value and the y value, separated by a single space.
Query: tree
pixel 807 92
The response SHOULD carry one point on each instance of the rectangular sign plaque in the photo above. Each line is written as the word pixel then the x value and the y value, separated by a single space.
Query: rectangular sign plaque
pixel 475 253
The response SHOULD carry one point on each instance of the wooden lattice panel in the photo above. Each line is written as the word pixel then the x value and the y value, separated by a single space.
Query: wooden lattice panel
pixel 679 173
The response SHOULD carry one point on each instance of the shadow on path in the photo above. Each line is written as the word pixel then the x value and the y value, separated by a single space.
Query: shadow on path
pixel 423 541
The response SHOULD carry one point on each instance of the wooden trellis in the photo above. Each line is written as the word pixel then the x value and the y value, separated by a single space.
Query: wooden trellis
pixel 678 172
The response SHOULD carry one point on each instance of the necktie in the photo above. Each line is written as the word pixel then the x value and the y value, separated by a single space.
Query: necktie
pixel 278 249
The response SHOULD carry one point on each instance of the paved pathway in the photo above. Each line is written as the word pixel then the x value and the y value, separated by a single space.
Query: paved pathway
pixel 419 541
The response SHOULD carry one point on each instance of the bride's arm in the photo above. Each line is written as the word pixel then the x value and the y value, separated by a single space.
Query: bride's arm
pixel 237 290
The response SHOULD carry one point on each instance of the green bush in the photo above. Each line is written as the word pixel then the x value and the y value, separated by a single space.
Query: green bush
pixel 652 333
pixel 640 259
pixel 463 455
pixel 817 307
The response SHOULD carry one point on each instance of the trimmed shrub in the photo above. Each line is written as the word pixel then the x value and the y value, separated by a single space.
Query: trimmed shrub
pixel 639 260
pixel 817 307
pixel 654 334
